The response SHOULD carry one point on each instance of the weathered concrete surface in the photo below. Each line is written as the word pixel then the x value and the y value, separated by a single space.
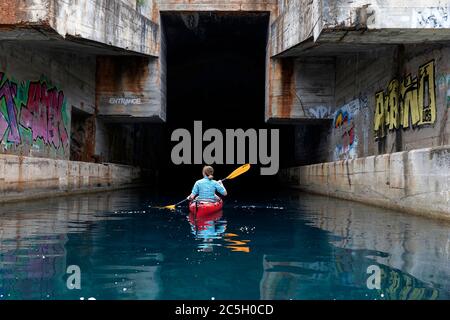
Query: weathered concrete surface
pixel 378 14
pixel 415 181
pixel 297 21
pixel 355 92
pixel 363 80
pixel 29 177
pixel 39 89
pixel 301 88
pixel 217 5
pixel 304 24
pixel 111 23
pixel 48 104
pixel 130 88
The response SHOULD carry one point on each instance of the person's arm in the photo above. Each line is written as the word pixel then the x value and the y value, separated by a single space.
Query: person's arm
pixel 221 188
pixel 194 192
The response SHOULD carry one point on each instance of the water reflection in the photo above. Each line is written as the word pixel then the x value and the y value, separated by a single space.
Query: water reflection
pixel 412 253
pixel 288 247
pixel 210 230
pixel 39 240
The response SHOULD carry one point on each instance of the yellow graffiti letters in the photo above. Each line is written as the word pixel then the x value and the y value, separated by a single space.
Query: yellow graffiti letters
pixel 379 112
pixel 408 91
pixel 427 96
pixel 393 105
pixel 411 100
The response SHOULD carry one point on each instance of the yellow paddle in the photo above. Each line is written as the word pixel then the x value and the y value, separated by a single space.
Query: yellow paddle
pixel 242 169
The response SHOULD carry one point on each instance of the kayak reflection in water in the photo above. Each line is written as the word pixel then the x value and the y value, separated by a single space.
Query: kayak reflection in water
pixel 205 189
pixel 205 209
pixel 207 229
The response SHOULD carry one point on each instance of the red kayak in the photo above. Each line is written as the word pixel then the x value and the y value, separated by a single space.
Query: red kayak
pixel 202 222
pixel 205 207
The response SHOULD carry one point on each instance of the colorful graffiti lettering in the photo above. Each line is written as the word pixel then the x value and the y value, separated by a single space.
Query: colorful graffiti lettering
pixel 410 100
pixel 34 114
pixel 344 131
pixel 319 112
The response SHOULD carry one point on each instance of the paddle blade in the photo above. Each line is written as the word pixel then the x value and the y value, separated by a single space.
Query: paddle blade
pixel 171 207
pixel 242 169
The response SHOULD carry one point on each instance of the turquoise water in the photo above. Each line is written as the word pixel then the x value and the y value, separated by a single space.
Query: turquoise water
pixel 286 247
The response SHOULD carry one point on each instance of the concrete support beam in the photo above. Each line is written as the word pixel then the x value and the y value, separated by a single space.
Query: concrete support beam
pixel 297 21
pixel 300 89
pixel 109 23
pixel 303 24
pixel 130 88
pixel 217 5
pixel 380 14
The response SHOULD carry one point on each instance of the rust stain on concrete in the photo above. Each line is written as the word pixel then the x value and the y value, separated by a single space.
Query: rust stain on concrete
pixel 118 74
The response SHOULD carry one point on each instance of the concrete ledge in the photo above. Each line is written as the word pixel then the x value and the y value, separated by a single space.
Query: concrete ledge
pixel 416 181
pixel 106 22
pixel 24 178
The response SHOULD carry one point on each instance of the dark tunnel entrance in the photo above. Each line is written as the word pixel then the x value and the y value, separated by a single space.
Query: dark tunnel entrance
pixel 216 74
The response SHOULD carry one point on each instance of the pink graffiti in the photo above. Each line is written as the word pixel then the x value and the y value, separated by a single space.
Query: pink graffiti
pixel 42 114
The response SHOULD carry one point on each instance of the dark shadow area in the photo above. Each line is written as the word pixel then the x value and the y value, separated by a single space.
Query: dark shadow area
pixel 82 126
pixel 310 140
pixel 216 73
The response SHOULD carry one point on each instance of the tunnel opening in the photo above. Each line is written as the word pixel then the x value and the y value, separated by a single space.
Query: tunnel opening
pixel 215 73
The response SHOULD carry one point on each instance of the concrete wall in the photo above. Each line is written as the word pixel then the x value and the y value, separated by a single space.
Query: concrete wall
pixel 296 27
pixel 131 88
pixel 386 14
pixel 390 100
pixel 38 89
pixel 29 177
pixel 132 144
pixel 217 5
pixel 301 88
pixel 295 23
pixel 415 181
pixel 108 22
pixel 302 24
pixel 388 140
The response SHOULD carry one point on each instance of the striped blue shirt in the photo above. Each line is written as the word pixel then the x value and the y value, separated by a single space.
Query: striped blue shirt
pixel 206 189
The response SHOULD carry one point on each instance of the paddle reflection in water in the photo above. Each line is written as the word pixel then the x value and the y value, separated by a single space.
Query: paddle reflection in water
pixel 210 231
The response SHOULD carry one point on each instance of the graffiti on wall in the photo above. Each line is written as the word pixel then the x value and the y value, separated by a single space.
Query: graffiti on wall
pixel 33 115
pixel 320 112
pixel 410 102
pixel 344 130
pixel 125 101
pixel 434 17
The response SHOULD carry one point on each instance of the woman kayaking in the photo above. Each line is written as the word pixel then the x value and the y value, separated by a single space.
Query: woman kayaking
pixel 204 193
